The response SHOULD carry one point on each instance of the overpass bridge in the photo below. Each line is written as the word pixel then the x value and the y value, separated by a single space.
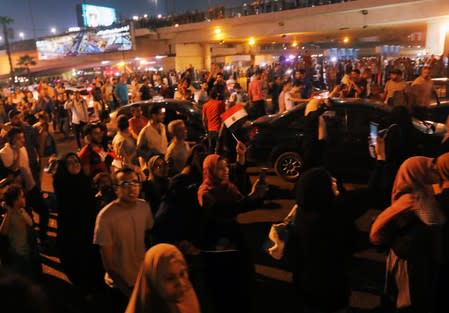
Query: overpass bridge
pixel 422 24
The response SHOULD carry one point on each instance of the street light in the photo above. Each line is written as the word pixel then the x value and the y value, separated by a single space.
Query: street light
pixel 21 35
pixel 1 38
pixel 53 30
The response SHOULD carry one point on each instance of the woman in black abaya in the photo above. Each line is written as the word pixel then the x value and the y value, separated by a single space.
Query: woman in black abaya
pixel 75 204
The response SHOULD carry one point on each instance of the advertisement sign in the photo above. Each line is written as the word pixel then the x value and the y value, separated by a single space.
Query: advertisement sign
pixel 89 41
pixel 94 15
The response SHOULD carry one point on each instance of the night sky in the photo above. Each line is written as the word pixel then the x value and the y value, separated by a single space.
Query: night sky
pixel 61 14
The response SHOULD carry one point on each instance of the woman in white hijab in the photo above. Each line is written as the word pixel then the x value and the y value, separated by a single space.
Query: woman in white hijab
pixel 163 284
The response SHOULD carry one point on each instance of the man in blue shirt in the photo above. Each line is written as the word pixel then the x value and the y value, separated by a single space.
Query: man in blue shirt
pixel 121 91
pixel 299 79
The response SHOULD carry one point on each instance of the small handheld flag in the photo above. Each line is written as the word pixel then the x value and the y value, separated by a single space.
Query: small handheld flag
pixel 234 117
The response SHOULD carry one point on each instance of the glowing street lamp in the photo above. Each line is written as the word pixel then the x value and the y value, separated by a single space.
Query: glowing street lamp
pixel 346 39
pixel 1 38
pixel 53 30
pixel 21 35
pixel 251 41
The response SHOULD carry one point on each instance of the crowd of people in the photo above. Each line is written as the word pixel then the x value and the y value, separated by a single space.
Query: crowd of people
pixel 139 209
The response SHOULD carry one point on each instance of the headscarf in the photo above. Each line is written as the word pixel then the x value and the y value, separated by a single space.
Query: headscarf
pixel 146 296
pixel 221 190
pixel 64 178
pixel 152 162
pixel 314 190
pixel 412 192
pixel 415 174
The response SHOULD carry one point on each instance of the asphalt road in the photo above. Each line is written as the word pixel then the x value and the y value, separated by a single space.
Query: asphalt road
pixel 273 282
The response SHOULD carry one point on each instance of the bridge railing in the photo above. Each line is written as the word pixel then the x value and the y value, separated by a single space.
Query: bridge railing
pixel 254 8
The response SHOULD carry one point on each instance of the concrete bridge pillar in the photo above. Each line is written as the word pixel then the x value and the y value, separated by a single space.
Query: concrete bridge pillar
pixel 437 34
pixel 197 55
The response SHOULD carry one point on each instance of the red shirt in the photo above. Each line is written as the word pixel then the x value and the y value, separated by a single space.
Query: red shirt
pixel 212 110
pixel 255 92
pixel 93 159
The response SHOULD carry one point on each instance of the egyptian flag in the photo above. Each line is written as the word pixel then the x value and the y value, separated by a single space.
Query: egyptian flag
pixel 233 119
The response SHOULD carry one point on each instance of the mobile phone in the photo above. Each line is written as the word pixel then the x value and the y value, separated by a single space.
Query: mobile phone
pixel 373 133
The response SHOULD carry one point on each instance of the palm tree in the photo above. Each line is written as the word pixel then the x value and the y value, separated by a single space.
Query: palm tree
pixel 5 21
pixel 25 61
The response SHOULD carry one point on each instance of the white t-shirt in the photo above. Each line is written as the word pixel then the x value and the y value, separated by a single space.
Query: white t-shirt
pixel 178 154
pixel 150 139
pixel 8 154
pixel 79 110
pixel 124 229
pixel 289 104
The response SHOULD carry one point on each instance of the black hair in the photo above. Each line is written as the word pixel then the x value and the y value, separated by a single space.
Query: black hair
pixel 11 194
pixel 12 133
pixel 124 171
pixel 155 109
pixel 214 94
pixel 90 128
pixel 104 115
pixel 196 149
pixel 13 113
pixel 356 70
pixel 122 122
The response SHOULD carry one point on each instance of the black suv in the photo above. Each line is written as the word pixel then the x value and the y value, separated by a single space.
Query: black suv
pixel 276 140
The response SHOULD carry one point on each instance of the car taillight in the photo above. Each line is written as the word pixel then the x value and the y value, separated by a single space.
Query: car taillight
pixel 253 132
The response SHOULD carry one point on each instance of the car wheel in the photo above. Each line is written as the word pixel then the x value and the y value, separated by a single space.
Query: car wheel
pixel 288 166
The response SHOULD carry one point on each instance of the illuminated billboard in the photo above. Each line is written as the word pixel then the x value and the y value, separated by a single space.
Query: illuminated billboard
pixel 94 15
pixel 89 41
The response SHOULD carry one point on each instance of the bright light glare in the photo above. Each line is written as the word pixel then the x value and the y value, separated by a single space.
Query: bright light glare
pixel 251 41
pixel 135 17
pixel 346 39
pixel 21 35
pixel 74 29
pixel 217 31
pixel 53 30
pixel 334 59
